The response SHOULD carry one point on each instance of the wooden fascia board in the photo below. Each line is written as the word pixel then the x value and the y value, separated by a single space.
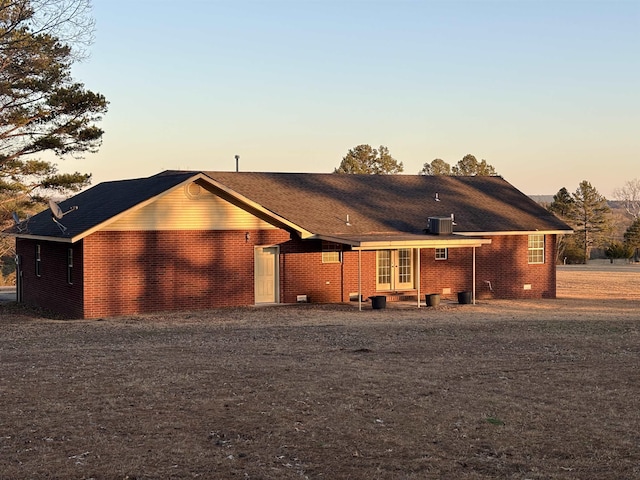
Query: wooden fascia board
pixel 522 232
pixel 41 238
pixel 461 243
pixel 334 239
pixel 406 243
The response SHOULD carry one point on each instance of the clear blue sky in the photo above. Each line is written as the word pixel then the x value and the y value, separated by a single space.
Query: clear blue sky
pixel 548 92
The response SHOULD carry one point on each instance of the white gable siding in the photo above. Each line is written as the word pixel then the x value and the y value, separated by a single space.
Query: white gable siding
pixel 189 208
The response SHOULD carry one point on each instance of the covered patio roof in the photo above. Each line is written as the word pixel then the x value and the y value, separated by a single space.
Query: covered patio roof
pixel 362 243
pixel 378 241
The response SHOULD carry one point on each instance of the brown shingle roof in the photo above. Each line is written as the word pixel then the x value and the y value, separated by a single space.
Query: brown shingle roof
pixel 377 205
pixel 387 204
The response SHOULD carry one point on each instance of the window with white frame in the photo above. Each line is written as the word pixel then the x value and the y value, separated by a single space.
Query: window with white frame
pixel 383 267
pixel 536 248
pixel 442 253
pixel 405 266
pixel 331 252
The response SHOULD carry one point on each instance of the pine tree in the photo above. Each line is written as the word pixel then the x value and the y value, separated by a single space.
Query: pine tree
pixel 42 109
pixel 561 207
pixel 632 236
pixel 590 217
pixel 562 203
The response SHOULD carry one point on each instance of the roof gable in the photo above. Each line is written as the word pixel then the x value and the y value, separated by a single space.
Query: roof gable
pixel 190 207
pixel 102 204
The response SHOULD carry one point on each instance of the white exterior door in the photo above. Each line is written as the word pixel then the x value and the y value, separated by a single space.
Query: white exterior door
pixel 266 274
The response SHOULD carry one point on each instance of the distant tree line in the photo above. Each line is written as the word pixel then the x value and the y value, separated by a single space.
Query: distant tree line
pixel 468 166
pixel 590 216
pixel 364 159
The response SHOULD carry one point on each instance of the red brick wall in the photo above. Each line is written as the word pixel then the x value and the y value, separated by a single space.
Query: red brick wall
pixel 368 275
pixel 303 273
pixel 135 272
pixel 504 264
pixel 455 273
pixel 51 289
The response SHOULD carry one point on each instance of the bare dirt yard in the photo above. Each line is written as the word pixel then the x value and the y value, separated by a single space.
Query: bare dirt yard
pixel 516 390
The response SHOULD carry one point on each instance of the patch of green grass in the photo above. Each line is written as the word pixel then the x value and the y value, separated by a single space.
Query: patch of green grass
pixel 494 421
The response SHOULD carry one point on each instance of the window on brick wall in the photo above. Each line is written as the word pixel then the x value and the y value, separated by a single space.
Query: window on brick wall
pixel 38 261
pixel 331 252
pixel 70 266
pixel 442 253
pixel 536 248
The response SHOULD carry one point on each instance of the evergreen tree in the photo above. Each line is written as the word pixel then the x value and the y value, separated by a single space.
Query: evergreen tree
pixel 42 109
pixel 590 217
pixel 562 203
pixel 561 207
pixel 618 250
pixel 632 236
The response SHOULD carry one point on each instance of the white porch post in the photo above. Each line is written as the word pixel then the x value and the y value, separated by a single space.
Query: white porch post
pixel 418 279
pixel 360 280
pixel 474 276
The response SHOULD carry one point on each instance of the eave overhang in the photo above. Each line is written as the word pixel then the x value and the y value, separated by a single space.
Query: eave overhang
pixel 517 232
pixel 382 242
pixel 42 238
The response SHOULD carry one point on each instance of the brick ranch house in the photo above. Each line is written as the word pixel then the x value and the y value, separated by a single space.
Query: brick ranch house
pixel 197 240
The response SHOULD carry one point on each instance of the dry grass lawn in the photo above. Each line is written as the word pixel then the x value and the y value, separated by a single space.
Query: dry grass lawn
pixel 515 390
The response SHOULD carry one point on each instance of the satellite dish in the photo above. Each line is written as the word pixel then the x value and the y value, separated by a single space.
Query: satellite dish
pixel 57 214
pixel 56 211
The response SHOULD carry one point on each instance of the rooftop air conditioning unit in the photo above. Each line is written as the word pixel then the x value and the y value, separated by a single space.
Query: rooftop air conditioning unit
pixel 440 225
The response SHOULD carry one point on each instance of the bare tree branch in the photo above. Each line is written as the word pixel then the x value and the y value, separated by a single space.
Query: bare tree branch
pixel 629 195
